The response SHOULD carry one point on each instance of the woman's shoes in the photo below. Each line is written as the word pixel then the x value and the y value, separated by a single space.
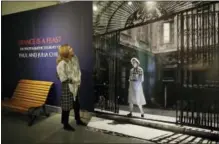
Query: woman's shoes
pixel 79 122
pixel 129 115
pixel 68 127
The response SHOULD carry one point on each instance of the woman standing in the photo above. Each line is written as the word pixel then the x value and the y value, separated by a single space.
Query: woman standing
pixel 63 74
pixel 136 94
pixel 75 86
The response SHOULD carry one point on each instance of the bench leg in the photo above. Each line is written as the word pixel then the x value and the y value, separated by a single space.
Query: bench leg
pixel 31 120
pixel 45 111
pixel 34 112
pixel 32 116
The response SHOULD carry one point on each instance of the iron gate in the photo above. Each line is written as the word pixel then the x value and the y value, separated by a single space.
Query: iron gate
pixel 198 66
pixel 105 73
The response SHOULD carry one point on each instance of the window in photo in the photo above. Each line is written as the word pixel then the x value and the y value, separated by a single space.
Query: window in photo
pixel 166 33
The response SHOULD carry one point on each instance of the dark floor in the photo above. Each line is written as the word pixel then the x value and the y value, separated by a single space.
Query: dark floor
pixel 49 130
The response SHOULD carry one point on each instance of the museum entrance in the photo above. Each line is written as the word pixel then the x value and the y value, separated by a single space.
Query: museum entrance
pixel 113 54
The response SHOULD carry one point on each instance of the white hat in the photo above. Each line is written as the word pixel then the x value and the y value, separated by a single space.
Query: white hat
pixel 135 59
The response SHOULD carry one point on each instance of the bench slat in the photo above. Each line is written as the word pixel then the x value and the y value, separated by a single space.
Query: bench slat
pixel 17 108
pixel 29 101
pixel 24 102
pixel 31 94
pixel 34 86
pixel 28 96
pixel 38 100
pixel 20 104
pixel 36 82
pixel 22 86
pixel 21 97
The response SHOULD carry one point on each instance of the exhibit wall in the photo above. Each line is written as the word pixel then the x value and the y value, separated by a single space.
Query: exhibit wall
pixel 29 47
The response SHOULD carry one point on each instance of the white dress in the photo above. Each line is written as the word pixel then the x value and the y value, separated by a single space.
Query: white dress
pixel 136 94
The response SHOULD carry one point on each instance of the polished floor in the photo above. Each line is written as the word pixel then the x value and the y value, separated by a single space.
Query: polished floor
pixel 49 131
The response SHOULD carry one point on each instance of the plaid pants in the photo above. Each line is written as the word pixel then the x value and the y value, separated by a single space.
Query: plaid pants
pixel 67 99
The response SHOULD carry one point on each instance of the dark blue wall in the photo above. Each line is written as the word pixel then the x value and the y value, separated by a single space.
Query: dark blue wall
pixel 72 22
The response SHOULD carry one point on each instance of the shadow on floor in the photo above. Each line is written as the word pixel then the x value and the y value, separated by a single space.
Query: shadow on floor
pixel 116 123
pixel 49 130
pixel 177 138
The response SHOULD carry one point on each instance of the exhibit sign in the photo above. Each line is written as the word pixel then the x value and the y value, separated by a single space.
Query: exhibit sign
pixel 39 47
pixel 30 42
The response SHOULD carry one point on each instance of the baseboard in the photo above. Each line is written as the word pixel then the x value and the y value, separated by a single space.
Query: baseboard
pixel 53 109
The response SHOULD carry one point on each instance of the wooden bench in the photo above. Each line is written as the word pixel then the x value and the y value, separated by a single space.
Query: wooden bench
pixel 30 96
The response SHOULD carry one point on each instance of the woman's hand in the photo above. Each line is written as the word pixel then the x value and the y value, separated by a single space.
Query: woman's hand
pixel 70 81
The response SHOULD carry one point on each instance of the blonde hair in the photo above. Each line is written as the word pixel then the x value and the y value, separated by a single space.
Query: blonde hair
pixel 58 60
pixel 63 53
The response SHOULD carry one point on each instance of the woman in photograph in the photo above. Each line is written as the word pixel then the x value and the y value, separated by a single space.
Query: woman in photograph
pixel 136 94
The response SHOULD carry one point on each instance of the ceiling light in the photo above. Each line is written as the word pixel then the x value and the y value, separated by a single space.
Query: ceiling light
pixel 150 4
pixel 94 8
pixel 129 3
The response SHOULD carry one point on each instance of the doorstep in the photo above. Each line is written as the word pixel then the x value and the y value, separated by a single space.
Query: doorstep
pixel 147 116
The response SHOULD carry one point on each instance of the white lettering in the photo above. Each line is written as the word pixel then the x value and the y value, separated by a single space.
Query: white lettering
pixel 53 54
pixel 45 54
pixel 23 55
pixel 40 53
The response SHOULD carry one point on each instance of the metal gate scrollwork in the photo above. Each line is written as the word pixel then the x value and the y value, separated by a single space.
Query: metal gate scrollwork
pixel 105 74
pixel 197 42
pixel 198 66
